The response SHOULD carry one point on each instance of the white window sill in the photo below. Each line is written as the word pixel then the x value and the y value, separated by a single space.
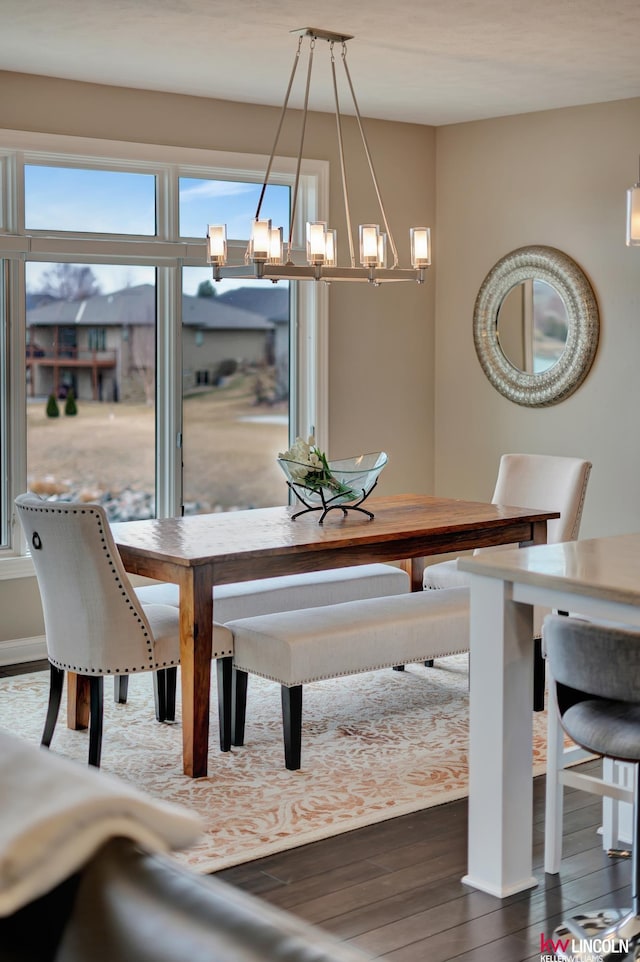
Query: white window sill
pixel 12 568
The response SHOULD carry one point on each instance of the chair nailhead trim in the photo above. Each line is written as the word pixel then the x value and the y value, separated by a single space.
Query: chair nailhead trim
pixel 124 670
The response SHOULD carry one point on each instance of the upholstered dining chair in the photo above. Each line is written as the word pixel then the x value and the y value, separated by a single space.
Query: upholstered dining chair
pixel 94 623
pixel 595 674
pixel 542 481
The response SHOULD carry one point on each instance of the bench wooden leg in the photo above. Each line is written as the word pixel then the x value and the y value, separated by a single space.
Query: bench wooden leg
pixel 160 693
pixel 238 705
pixel 171 681
pixel 292 724
pixel 120 689
pixel 224 674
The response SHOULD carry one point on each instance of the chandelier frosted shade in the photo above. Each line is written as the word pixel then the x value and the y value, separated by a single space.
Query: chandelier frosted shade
pixel 217 244
pixel 267 257
pixel 633 216
pixel 633 213
pixel 420 247
pixel 275 246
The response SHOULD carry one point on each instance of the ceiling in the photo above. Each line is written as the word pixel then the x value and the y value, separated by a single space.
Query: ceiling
pixel 422 61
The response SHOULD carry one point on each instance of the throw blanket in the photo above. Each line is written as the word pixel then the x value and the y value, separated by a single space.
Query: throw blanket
pixel 55 814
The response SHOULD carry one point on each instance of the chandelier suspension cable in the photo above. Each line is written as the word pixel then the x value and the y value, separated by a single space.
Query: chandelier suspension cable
pixel 343 168
pixel 369 159
pixel 305 113
pixel 283 113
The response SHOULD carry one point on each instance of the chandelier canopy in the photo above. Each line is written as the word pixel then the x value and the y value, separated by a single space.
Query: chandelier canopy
pixel 267 257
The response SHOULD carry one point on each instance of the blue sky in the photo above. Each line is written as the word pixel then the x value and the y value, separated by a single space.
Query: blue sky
pixel 120 202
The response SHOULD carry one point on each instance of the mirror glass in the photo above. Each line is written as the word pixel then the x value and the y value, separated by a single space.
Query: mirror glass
pixel 536 326
pixel 533 325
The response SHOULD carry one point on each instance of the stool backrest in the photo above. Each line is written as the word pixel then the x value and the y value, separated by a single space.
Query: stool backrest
pixel 599 660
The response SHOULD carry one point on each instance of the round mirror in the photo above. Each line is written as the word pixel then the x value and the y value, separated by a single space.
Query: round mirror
pixel 533 326
pixel 536 326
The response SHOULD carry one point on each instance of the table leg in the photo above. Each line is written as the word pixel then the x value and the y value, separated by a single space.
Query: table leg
pixel 415 569
pixel 196 626
pixel 77 701
pixel 500 741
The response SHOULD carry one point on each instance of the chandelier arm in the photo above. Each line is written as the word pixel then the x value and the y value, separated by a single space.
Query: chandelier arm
pixel 294 201
pixel 343 168
pixel 283 112
pixel 368 155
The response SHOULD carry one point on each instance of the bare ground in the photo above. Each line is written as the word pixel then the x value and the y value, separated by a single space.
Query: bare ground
pixel 229 462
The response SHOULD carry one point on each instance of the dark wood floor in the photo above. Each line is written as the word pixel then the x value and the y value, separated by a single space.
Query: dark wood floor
pixel 394 888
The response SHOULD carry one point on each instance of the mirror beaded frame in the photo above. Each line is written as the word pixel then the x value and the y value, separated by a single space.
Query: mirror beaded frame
pixel 565 376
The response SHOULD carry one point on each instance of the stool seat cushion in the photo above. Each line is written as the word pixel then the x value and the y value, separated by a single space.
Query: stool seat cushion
pixel 297 647
pixel 610 728
pixel 289 592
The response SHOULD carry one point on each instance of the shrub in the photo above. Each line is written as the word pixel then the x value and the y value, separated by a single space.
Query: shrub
pixel 53 411
pixel 70 406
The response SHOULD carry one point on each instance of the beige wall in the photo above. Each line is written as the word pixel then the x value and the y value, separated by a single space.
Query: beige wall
pixel 381 392
pixel 556 178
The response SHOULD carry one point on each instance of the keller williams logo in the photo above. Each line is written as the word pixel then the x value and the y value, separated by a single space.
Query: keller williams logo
pixel 592 949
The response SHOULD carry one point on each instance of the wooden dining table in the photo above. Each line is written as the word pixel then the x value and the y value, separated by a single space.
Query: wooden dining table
pixel 199 551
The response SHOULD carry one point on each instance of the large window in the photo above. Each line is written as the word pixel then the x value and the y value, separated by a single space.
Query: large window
pixel 91 390
pixel 134 379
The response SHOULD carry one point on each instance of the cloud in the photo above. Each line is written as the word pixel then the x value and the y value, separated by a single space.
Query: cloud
pixel 214 188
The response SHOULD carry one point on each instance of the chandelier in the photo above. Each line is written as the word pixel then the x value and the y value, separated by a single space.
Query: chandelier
pixel 268 257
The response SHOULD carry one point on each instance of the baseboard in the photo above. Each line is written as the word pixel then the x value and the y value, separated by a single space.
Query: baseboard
pixel 20 650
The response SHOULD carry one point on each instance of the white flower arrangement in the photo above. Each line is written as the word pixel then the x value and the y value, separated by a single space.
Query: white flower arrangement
pixel 308 467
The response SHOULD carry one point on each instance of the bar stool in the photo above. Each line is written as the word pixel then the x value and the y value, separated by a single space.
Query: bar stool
pixel 595 669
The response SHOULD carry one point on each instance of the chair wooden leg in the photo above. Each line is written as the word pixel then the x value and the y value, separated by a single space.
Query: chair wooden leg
pixel 292 724
pixel 238 705
pixel 224 672
pixel 56 681
pixel 96 691
pixel 160 693
pixel 171 683
pixel 120 689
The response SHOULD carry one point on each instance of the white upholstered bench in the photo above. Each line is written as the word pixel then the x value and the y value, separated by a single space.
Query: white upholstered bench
pixel 297 647
pixel 291 592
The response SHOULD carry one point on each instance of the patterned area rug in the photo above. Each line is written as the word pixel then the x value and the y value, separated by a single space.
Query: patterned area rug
pixel 374 746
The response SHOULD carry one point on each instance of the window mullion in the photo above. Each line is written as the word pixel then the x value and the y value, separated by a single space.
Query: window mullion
pixel 169 392
pixel 16 420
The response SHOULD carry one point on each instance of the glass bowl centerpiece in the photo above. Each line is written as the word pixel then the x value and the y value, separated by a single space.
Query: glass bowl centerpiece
pixel 321 485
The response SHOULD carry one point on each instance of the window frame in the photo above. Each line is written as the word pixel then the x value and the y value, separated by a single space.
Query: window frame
pixel 168 253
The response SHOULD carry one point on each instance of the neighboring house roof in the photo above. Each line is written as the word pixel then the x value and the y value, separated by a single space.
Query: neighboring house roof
pixel 136 306
pixel 271 302
pixel 209 313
